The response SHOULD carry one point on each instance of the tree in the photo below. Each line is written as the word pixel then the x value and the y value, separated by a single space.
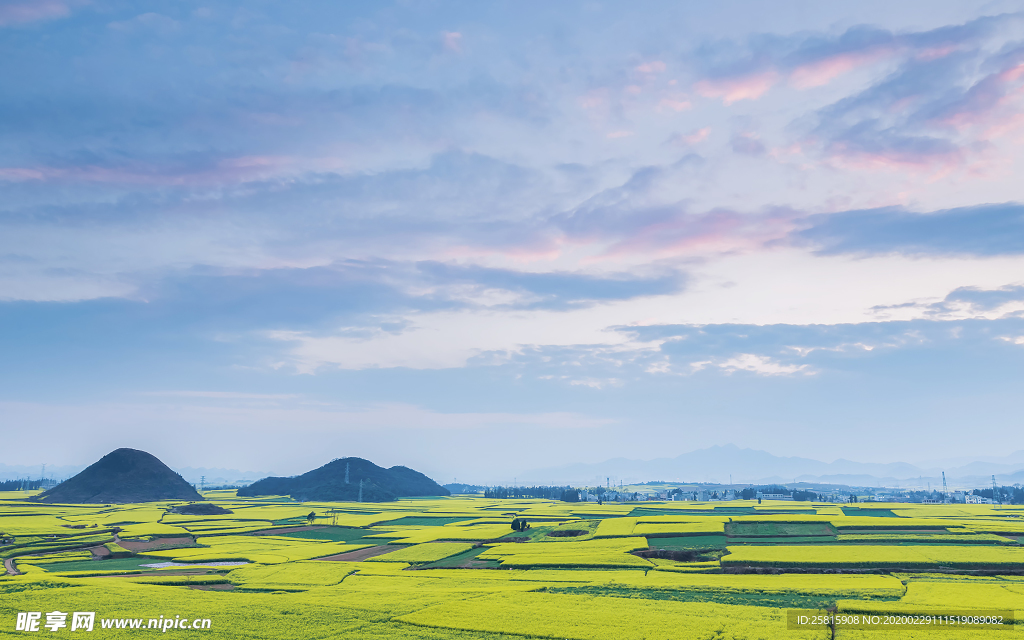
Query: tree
pixel 311 517
pixel 520 524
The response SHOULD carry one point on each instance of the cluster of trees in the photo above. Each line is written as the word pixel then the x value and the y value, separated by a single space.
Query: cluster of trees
pixel 19 485
pixel 458 487
pixel 1006 495
pixel 919 496
pixel 550 493
pixel 750 493
pixel 520 524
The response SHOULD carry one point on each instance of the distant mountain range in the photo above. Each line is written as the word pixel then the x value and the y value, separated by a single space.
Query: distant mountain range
pixel 716 464
pixel 34 472
pixel 217 476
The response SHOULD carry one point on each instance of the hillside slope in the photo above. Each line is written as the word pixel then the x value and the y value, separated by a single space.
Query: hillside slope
pixel 340 480
pixel 124 475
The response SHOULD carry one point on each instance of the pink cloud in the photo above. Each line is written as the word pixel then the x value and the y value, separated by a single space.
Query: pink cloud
pixel 1005 126
pixel 656 66
pixel 718 231
pixel 229 170
pixel 935 53
pixel 821 72
pixel 20 174
pixel 1012 74
pixel 700 135
pixel 452 41
pixel 929 166
pixel 594 99
pixel 675 104
pixel 32 11
pixel 730 90
pixel 542 250
pixel 991 102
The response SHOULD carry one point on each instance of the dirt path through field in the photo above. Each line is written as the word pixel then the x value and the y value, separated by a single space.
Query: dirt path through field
pixel 99 552
pixel 9 565
pixel 137 546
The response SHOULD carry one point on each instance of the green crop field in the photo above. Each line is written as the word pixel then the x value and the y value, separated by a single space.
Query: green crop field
pixel 452 568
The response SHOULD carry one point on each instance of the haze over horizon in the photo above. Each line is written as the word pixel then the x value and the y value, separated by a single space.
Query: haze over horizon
pixel 476 239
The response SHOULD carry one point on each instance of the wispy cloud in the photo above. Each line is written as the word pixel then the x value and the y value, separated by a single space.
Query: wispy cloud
pixel 15 12
pixel 984 230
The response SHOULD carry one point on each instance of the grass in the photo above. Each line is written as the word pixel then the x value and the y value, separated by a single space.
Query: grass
pixel 781 601
pixel 333 534
pixel 784 540
pixel 423 553
pixel 427 521
pixel 467 560
pixel 853 556
pixel 688 542
pixel 873 513
pixel 776 529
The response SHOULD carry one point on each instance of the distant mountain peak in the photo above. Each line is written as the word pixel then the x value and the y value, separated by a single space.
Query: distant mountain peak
pixel 123 475
pixel 349 479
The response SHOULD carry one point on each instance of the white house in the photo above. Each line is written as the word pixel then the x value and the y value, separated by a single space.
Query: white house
pixel 970 498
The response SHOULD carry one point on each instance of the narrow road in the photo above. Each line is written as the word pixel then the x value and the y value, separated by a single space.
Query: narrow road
pixel 9 565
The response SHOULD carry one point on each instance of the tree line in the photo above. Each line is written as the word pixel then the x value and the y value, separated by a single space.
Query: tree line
pixel 566 493
pixel 19 485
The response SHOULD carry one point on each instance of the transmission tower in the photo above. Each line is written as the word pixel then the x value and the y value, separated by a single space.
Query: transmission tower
pixel 993 488
pixel 945 495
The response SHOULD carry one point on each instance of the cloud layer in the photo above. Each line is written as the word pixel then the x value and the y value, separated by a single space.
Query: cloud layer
pixel 592 218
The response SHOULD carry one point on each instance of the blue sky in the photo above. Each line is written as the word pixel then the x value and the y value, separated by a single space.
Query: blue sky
pixel 481 238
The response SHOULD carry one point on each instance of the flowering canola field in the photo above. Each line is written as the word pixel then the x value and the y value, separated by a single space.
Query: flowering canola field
pixel 452 568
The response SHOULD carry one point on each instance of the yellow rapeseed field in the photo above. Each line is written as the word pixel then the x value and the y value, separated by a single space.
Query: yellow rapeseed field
pixel 586 588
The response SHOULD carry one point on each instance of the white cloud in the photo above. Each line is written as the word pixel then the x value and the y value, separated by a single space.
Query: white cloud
pixel 762 365
pixel 222 395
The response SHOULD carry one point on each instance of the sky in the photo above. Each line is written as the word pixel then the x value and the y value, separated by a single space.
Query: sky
pixel 477 239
